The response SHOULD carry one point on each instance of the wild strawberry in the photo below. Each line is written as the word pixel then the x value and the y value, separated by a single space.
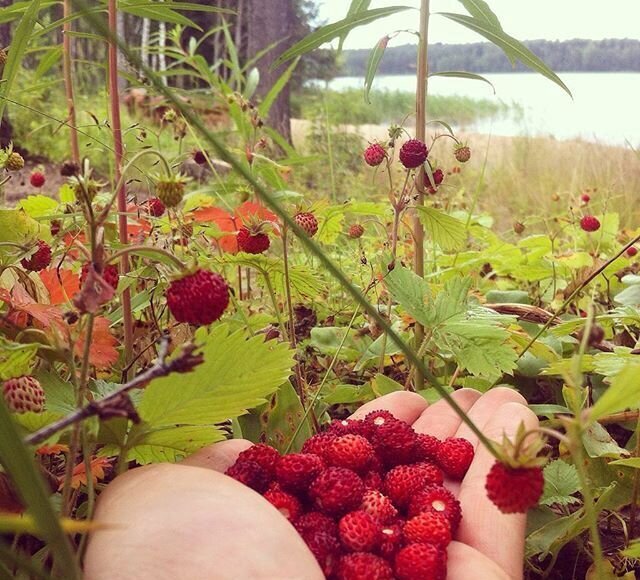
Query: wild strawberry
pixel 251 474
pixel 85 188
pixel 110 274
pixel 378 418
pixel 37 179
pixel 40 259
pixel 374 154
pixel 351 451
pixel 363 566
pixel 307 222
pixel 359 532
pixel 15 162
pixel 23 394
pixel 355 231
pixel 462 153
pixel 378 506
pixel 200 157
pixel 455 456
pixel 296 471
pixel 199 298
pixel 427 446
pixel 349 426
pixel 155 207
pixel 430 472
pixel 311 522
pixel 438 499
pixel 438 178
pixel 326 549
pixel 413 153
pixel 55 227
pixel 585 198
pixel 590 223
pixel 317 444
pixel 429 528
pixel 252 242
pixel 514 490
pixel 264 455
pixel 288 505
pixel 69 169
pixel 336 491
pixel 518 227
pixel 373 480
pixel 170 189
pixel 394 440
pixel 402 482
pixel 391 540
pixel 632 251
pixel 421 561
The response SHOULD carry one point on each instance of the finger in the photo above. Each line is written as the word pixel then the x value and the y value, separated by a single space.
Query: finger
pixel 482 520
pixel 462 558
pixel 402 405
pixel 219 456
pixel 485 407
pixel 440 420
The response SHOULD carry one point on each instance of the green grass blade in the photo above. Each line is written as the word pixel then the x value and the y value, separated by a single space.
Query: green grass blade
pixel 372 65
pixel 463 75
pixel 275 90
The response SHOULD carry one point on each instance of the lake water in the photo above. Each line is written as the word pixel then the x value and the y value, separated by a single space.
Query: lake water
pixel 604 106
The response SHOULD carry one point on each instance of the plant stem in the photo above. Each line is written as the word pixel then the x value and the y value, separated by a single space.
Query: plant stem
pixel 116 126
pixel 68 81
pixel 287 285
pixel 421 126
pixel 151 249
pixel 636 489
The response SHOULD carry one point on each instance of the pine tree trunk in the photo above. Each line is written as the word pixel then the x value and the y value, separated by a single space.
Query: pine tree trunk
pixel 270 22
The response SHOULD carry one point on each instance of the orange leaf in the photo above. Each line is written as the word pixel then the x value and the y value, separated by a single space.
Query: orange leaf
pixel 224 221
pixel 62 284
pixel 79 477
pixel 22 302
pixel 52 449
pixel 251 208
pixel 102 353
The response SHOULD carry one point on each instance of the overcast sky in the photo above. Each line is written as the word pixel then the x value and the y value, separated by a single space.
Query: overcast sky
pixel 524 19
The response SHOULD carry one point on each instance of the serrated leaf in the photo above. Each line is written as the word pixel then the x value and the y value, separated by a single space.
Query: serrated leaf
pixel 39 205
pixel 17 227
pixel 447 232
pixel 16 359
pixel 560 482
pixel 410 291
pixel 59 394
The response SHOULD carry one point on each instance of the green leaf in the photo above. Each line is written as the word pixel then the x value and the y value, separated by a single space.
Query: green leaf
pixel 337 29
pixel 621 395
pixel 513 48
pixel 237 374
pixel 551 537
pixel 372 65
pixel 598 443
pixel 284 414
pixel 411 292
pixel 463 75
pixel 170 443
pixel 39 206
pixel 561 481
pixel 631 462
pixel 633 551
pixel 480 9
pixel 355 7
pixel 276 88
pixel 447 232
pixel 382 385
pixel 17 227
pixel 16 359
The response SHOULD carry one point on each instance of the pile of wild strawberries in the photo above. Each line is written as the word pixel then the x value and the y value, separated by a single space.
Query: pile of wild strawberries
pixel 367 496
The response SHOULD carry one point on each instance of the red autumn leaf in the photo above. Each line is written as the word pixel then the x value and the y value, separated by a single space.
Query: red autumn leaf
pixel 102 353
pixel 251 208
pixel 54 449
pixel 62 284
pixel 21 302
pixel 224 221
pixel 79 476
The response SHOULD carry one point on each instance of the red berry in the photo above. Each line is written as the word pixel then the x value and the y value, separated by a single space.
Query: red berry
pixel 264 455
pixel 40 259
pixel 251 474
pixel 421 561
pixel 378 506
pixel 307 222
pixel 252 243
pixel 200 157
pixel 351 451
pixel 394 441
pixel 288 505
pixel 359 532
pixel 110 274
pixel 462 153
pixel 402 482
pixel 632 251
pixel 198 298
pixel 37 179
pixel 429 528
pixel 431 473
pixel 336 491
pixel 355 231
pixel 391 540
pixel 296 471
pixel 455 456
pixel 438 499
pixel 514 490
pixel 590 223
pixel 438 178
pixel 23 394
pixel 585 197
pixel 373 480
pixel 363 566
pixel 317 444
pixel 427 446
pixel 374 155
pixel 155 207
pixel 349 426
pixel 326 549
pixel 413 153
pixel 311 522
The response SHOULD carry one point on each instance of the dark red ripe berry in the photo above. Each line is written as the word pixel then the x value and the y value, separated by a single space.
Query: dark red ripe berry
pixel 363 566
pixel 288 505
pixel 455 456
pixel 359 532
pixel 438 178
pixel 55 227
pixel 585 197
pixel 200 157
pixel 37 179
pixel 252 243
pixel 199 298
pixel 413 153
pixel 326 549
pixel 374 155
pixel 40 259
pixel 391 540
pixel 251 474
pixel 355 231
pixel 155 207
pixel 394 440
pixel 307 222
pixel 632 251
pixel 336 491
pixel 264 455
pixel 296 471
pixel 427 446
pixel 110 274
pixel 590 223
pixel 514 490
pixel 403 482
pixel 318 444
pixel 421 561
pixel 311 522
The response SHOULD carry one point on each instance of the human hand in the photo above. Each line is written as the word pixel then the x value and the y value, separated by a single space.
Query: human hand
pixel 189 521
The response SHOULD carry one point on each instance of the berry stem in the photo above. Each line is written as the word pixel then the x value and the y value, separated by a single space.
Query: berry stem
pixel 180 265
